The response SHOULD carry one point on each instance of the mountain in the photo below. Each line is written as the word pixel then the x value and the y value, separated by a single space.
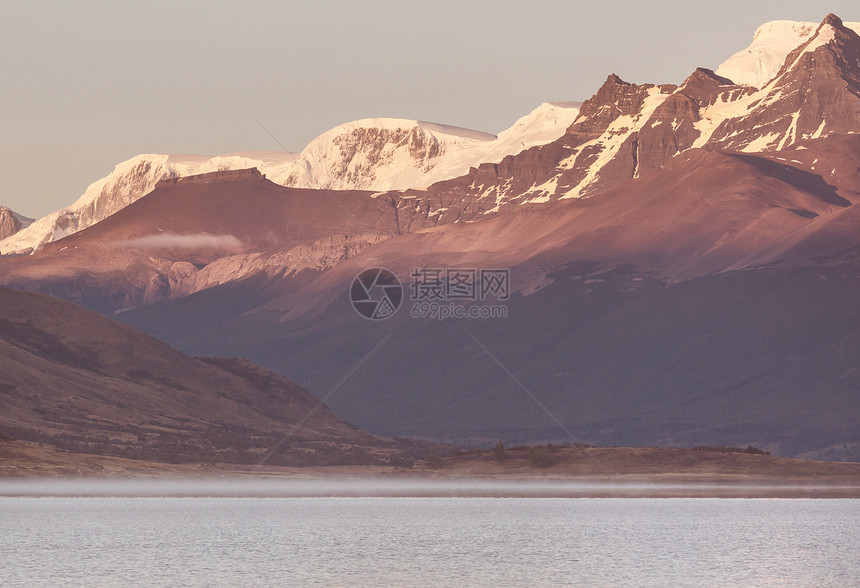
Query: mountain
pixel 12 222
pixel 685 277
pixel 773 41
pixel 625 132
pixel 370 154
pixel 683 265
pixel 815 93
pixel 79 381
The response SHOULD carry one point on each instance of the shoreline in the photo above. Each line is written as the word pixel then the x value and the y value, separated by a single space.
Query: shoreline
pixel 31 470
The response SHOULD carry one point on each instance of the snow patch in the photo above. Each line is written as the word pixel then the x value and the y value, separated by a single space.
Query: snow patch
pixel 791 134
pixel 761 143
pixel 819 130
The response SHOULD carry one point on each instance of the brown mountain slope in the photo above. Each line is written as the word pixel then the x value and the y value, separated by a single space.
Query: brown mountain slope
pixel 77 380
pixel 765 356
pixel 705 211
pixel 241 204
pixel 201 231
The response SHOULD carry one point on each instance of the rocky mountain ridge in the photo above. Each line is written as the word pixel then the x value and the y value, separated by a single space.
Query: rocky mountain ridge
pixel 624 130
pixel 627 130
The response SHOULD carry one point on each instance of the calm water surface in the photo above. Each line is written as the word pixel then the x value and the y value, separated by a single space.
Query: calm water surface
pixel 428 542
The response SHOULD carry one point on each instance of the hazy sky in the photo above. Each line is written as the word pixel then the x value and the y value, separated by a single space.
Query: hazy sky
pixel 89 84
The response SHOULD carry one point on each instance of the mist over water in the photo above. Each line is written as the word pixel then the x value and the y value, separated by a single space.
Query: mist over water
pixel 408 487
pixel 427 542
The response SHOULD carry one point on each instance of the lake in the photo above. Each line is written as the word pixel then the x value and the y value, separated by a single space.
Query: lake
pixel 200 541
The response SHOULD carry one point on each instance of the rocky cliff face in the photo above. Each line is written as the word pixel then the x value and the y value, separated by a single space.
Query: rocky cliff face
pixel 672 128
pixel 9 223
pixel 600 142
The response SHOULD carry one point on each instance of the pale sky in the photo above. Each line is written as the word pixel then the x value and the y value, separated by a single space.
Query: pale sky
pixel 86 85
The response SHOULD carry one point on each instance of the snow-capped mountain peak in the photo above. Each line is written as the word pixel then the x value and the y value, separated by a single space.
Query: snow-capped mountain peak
pixel 375 154
pixel 539 126
pixel 809 97
pixel 759 63
pixel 396 154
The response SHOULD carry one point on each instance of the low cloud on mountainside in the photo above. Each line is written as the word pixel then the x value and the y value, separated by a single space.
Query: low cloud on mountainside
pixel 193 241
